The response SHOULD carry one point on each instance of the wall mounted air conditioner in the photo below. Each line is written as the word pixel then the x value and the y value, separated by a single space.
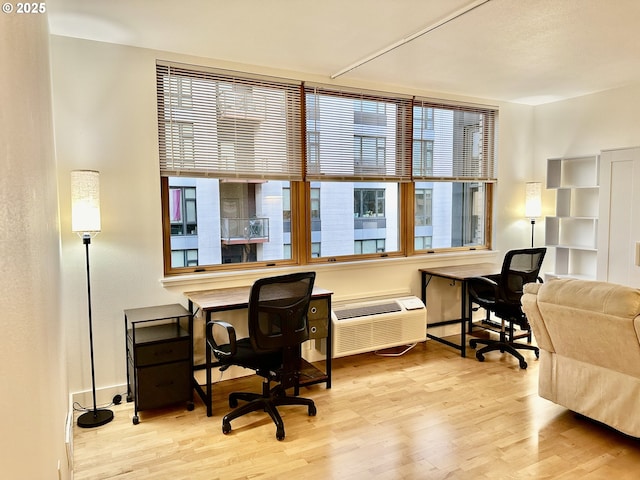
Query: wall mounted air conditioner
pixel 368 325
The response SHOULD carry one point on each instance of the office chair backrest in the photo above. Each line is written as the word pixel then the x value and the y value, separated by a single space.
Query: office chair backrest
pixel 520 267
pixel 278 311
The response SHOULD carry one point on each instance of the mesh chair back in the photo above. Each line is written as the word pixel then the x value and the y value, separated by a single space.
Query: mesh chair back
pixel 520 267
pixel 278 311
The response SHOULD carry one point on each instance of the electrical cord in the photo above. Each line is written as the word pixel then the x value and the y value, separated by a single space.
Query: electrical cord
pixel 117 400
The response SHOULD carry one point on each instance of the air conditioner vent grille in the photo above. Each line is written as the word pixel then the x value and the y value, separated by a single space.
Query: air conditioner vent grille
pixel 366 310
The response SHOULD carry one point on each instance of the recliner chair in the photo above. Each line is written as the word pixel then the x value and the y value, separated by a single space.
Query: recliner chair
pixel 277 327
pixel 501 294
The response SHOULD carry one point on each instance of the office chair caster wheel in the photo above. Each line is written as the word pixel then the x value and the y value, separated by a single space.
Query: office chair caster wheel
pixel 480 357
pixel 226 427
pixel 523 365
pixel 135 420
pixel 473 344
pixel 233 403
pixel 280 434
pixel 537 352
pixel 312 410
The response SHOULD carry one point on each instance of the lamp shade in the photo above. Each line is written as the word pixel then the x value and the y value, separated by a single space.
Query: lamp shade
pixel 533 200
pixel 85 201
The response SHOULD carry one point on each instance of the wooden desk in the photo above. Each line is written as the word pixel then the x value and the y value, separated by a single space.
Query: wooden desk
pixel 236 298
pixel 457 273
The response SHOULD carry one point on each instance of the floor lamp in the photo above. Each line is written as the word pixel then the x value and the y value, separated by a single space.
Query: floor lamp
pixel 533 204
pixel 85 221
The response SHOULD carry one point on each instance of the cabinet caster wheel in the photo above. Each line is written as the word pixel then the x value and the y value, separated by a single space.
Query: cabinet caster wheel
pixel 226 428
pixel 135 420
pixel 280 434
pixel 312 410
pixel 480 357
pixel 190 406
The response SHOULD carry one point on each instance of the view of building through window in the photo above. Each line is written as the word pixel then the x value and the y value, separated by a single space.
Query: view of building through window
pixel 355 169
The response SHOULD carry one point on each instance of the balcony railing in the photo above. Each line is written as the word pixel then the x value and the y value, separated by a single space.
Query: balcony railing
pixel 246 106
pixel 244 230
pixel 363 223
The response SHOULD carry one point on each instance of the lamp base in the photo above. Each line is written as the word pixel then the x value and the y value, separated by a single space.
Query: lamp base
pixel 95 418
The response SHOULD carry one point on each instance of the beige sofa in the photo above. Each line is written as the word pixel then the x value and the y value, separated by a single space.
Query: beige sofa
pixel 589 338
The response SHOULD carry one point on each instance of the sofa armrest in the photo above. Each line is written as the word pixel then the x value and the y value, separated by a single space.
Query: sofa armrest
pixel 534 317
pixel 532 288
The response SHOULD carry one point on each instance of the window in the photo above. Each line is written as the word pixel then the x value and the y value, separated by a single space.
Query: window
pixel 362 161
pixel 315 203
pixel 182 211
pixel 368 202
pixel 422 243
pixel 265 171
pixel 313 151
pixel 423 119
pixel 423 207
pixel 369 246
pixel 369 154
pixel 453 170
pixel 230 145
pixel 422 158
pixel 184 258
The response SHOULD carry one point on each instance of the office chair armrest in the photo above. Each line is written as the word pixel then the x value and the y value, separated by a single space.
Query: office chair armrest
pixel 484 289
pixel 231 336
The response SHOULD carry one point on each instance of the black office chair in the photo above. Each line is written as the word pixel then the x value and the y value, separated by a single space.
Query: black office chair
pixel 277 327
pixel 501 295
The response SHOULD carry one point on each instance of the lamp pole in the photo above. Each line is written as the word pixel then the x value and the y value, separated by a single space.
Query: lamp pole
pixel 95 417
pixel 85 220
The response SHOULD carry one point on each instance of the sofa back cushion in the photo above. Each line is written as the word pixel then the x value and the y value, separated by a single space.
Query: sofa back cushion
pixel 593 322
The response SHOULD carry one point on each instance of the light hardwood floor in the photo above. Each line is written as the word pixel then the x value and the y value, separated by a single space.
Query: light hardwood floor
pixel 429 414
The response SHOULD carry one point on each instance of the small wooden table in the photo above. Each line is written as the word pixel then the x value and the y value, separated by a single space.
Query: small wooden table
pixel 457 273
pixel 236 298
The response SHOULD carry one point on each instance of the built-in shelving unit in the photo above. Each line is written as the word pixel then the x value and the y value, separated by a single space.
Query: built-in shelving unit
pixel 573 231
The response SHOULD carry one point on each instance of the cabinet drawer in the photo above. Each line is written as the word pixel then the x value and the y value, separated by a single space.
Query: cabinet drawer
pixel 318 310
pixel 163 385
pixel 318 318
pixel 161 352
pixel 318 328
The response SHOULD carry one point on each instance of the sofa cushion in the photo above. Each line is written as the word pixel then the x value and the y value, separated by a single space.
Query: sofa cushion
pixel 606 298
pixel 592 322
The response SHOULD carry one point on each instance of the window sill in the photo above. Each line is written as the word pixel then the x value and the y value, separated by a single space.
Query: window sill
pixel 224 279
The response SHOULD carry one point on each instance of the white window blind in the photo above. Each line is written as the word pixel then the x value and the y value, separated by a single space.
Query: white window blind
pixel 355 135
pixel 453 142
pixel 226 125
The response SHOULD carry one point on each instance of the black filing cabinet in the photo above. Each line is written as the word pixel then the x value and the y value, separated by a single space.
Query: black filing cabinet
pixel 159 357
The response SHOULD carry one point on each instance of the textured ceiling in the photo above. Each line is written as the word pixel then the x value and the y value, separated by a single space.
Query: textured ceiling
pixel 525 51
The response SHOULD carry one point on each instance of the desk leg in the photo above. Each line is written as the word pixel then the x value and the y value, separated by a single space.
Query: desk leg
pixel 426 278
pixel 209 395
pixel 329 345
pixel 423 287
pixel 206 396
pixel 464 302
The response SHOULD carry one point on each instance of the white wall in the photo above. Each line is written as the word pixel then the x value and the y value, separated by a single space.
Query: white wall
pixel 583 126
pixel 105 114
pixel 33 404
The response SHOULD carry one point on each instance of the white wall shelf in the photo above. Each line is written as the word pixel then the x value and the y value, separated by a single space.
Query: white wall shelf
pixel 573 230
